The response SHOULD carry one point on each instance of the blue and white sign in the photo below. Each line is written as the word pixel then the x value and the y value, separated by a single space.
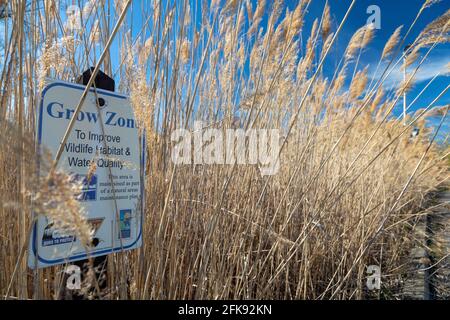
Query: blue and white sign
pixel 106 139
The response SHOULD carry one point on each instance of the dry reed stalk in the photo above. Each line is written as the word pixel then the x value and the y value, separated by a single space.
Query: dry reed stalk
pixel 351 180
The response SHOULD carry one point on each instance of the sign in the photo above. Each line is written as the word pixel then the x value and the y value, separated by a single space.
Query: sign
pixel 105 138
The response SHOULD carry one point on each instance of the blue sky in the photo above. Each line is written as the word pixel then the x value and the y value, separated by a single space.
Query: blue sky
pixel 393 13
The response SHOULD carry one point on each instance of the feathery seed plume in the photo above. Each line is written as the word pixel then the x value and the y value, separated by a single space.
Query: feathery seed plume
pixel 391 43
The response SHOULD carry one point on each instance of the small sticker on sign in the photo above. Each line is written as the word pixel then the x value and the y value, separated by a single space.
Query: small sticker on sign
pixel 125 223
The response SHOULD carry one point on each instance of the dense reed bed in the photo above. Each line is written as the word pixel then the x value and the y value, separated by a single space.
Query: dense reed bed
pixel 352 181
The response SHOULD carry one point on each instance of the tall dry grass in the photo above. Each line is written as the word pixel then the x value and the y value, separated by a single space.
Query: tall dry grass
pixel 352 182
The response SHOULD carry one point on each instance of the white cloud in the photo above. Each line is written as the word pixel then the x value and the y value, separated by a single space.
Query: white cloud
pixel 431 67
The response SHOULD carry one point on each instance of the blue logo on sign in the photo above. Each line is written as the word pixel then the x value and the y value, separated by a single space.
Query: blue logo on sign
pixel 52 237
pixel 89 187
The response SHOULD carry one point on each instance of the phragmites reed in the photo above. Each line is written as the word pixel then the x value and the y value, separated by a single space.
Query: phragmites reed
pixel 368 35
pixel 356 42
pixel 352 180
pixel 55 58
pixel 56 199
pixel 358 84
pixel 391 44
pixel 249 8
pixel 297 16
pixel 185 50
pixel 326 23
pixel 257 16
pixel 436 31
pixel 429 3
pixel 411 57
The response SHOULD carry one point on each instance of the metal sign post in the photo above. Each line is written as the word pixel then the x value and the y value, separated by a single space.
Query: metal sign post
pixel 100 264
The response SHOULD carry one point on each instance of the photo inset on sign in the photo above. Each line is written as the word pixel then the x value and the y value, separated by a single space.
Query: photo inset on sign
pixel 125 224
